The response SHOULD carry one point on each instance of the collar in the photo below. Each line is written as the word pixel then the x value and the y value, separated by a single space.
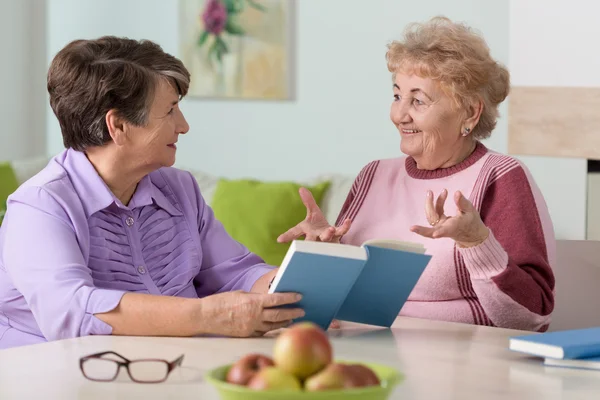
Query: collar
pixel 414 172
pixel 95 195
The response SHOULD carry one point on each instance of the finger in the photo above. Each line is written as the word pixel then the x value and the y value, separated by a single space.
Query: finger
pixel 448 229
pixel 327 234
pixel 430 213
pixel 279 299
pixel 309 201
pixel 462 203
pixel 291 234
pixel 440 233
pixel 257 334
pixel 271 326
pixel 439 204
pixel 311 237
pixel 335 324
pixel 344 228
pixel 422 230
pixel 282 314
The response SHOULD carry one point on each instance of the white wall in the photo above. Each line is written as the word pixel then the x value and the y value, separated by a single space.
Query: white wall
pixel 552 43
pixel 339 120
pixel 22 79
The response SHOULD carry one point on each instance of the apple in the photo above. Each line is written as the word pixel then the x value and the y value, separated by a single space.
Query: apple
pixel 332 377
pixel 246 367
pixel 363 375
pixel 302 350
pixel 273 378
pixel 341 376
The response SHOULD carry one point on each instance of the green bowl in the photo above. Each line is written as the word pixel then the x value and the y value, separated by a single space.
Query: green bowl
pixel 388 376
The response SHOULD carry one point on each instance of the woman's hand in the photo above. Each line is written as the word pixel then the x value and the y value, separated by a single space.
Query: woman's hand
pixel 241 314
pixel 466 227
pixel 315 226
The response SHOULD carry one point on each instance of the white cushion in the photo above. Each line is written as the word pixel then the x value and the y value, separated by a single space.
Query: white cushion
pixel 27 168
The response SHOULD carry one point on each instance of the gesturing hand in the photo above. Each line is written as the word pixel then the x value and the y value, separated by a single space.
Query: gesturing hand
pixel 241 314
pixel 466 227
pixel 315 226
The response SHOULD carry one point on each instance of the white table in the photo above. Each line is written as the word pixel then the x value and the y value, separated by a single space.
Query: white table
pixel 440 361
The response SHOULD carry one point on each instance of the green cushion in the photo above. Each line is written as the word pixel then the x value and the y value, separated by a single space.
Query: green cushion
pixel 255 213
pixel 8 184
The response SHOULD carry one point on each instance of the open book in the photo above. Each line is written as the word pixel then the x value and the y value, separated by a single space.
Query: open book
pixel 367 284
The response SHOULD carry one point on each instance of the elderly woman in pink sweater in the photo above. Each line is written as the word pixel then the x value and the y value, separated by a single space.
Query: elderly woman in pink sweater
pixel 492 242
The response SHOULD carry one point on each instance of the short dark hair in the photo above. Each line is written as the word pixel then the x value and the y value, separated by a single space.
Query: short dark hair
pixel 87 78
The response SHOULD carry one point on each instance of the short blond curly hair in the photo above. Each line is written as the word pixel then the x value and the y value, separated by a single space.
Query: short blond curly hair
pixel 459 59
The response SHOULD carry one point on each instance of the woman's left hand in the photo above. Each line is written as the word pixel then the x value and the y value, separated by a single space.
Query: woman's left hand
pixel 466 227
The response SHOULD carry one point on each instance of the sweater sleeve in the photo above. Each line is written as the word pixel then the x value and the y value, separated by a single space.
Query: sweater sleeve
pixel 357 193
pixel 511 271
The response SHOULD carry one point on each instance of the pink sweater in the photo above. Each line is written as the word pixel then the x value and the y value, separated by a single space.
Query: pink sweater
pixel 507 281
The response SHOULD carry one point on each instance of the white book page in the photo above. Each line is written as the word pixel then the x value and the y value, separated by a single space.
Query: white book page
pixel 323 248
pixel 396 245
pixel 331 249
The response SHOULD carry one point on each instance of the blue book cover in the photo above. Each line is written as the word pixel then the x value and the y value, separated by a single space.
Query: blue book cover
pixel 570 344
pixel 367 284
pixel 383 286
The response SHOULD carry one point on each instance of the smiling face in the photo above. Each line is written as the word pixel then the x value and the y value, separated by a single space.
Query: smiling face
pixel 429 122
pixel 153 146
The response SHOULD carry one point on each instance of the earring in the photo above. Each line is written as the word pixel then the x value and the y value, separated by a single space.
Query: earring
pixel 467 131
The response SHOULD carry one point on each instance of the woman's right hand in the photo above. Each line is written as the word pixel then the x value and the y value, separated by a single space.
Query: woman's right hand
pixel 315 226
pixel 242 314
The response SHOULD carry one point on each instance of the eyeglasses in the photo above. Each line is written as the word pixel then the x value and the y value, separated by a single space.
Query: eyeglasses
pixel 97 367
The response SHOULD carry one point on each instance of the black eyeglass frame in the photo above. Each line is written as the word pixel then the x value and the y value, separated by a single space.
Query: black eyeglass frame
pixel 125 363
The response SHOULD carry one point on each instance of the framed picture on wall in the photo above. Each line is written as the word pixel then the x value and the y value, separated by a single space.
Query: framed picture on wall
pixel 238 49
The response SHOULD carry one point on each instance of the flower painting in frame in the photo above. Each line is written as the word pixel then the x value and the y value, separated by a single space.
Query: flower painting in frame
pixel 239 49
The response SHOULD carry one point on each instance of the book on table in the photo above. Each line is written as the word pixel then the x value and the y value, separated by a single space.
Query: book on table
pixel 367 284
pixel 579 363
pixel 567 344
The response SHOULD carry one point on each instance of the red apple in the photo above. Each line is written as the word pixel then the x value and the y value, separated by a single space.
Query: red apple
pixel 341 376
pixel 302 350
pixel 362 375
pixel 273 378
pixel 246 367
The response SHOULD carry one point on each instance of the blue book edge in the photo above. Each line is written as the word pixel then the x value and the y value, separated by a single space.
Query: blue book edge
pixel 559 344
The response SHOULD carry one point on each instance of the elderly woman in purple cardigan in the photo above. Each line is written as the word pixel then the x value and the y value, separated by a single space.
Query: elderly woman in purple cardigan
pixel 108 239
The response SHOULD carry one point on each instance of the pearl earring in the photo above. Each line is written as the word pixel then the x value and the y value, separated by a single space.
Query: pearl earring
pixel 467 131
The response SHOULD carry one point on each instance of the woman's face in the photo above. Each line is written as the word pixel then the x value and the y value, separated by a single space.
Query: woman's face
pixel 429 125
pixel 153 146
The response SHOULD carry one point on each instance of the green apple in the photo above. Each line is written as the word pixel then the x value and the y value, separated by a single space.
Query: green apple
pixel 273 378
pixel 332 377
pixel 302 350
